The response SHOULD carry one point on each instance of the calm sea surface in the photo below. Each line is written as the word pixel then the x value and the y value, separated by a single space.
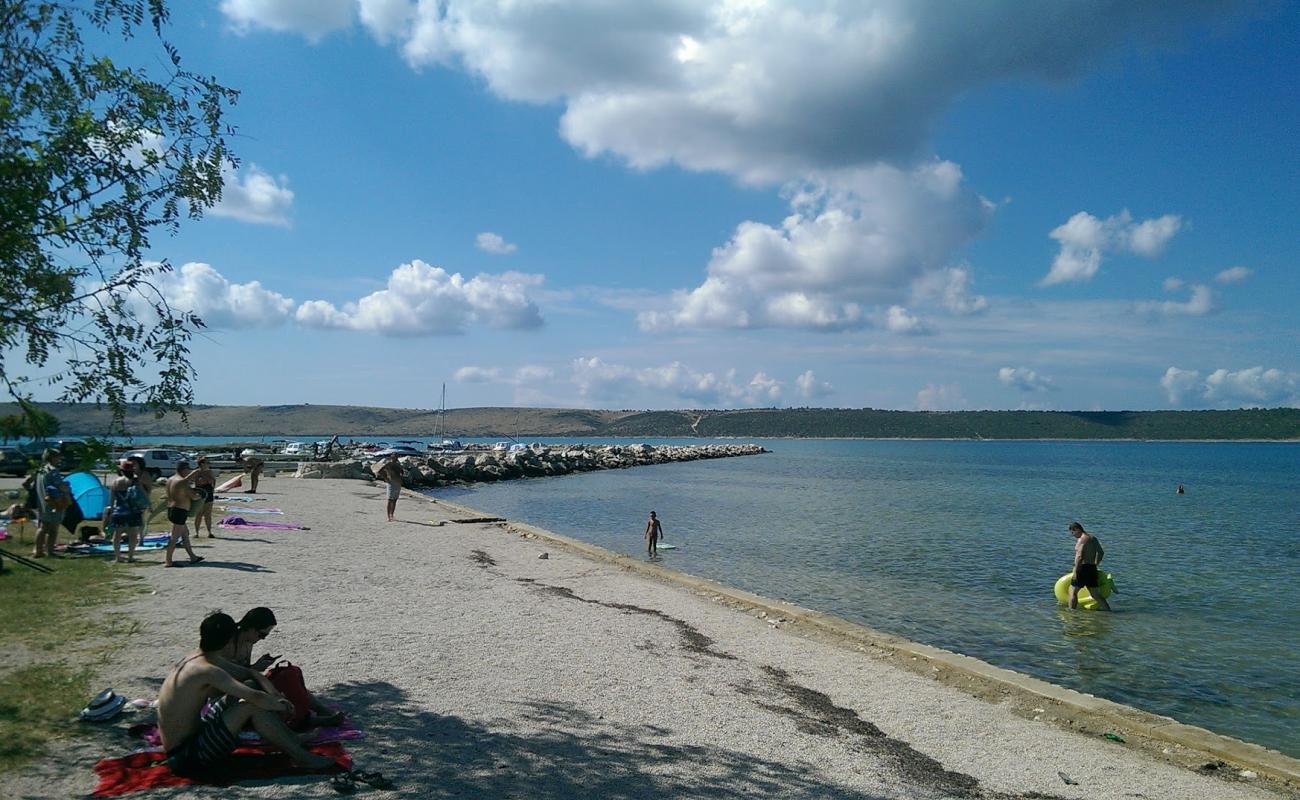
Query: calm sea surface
pixel 958 544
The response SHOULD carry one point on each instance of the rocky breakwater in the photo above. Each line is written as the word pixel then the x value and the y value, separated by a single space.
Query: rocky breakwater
pixel 534 461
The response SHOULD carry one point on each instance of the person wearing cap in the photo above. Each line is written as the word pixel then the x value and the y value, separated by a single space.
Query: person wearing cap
pixel 180 495
pixel 1087 559
pixel 197 741
pixel 54 496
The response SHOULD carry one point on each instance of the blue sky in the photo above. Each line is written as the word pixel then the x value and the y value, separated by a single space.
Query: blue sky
pixel 913 205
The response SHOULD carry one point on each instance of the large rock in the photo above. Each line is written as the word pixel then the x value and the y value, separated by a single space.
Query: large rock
pixel 354 470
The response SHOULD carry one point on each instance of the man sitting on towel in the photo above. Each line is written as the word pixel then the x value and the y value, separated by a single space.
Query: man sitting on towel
pixel 196 741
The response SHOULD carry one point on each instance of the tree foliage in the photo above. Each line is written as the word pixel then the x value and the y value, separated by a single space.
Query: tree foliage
pixel 94 158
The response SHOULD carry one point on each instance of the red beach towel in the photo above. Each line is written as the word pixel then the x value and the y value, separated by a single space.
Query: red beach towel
pixel 146 770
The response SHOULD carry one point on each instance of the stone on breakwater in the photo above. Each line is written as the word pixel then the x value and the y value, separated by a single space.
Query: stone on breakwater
pixel 534 461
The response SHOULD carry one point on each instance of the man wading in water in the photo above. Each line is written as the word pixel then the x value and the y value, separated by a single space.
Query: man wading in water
pixel 1087 556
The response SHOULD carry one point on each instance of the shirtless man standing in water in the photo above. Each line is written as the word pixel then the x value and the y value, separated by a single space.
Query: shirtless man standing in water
pixel 1087 557
pixel 197 744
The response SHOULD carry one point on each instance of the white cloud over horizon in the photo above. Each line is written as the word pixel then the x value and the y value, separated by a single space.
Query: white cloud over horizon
pixel 1086 239
pixel 221 304
pixel 809 387
pixel 1025 379
pixel 254 195
pixel 941 397
pixel 423 300
pixel 839 253
pixel 1253 386
pixel 596 379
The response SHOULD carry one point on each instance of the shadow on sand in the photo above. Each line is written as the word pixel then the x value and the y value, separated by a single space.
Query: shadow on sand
pixel 553 751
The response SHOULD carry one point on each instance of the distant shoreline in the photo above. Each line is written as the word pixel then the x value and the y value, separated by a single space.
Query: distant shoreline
pixel 323 421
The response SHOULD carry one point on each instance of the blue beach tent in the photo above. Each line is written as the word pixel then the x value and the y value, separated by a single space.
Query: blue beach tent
pixel 92 496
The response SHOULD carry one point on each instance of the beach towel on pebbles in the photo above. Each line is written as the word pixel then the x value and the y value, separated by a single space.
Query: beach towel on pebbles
pixel 239 523
pixel 343 732
pixel 260 511
pixel 148 769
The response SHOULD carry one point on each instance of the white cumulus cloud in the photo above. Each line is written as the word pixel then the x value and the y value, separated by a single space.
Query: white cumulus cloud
pixel 899 320
pixel 596 379
pixel 311 18
pixel 1085 239
pixel 425 300
pixel 841 251
pixel 1025 379
pixel 254 195
pixel 951 288
pixel 1252 386
pixel 940 397
pixel 1172 284
pixel 201 289
pixel 1200 303
pixel 527 374
pixel 492 243
pixel 810 387
pixel 1233 275
pixel 1179 383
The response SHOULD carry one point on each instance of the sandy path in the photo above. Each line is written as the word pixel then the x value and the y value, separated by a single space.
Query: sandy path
pixel 478 669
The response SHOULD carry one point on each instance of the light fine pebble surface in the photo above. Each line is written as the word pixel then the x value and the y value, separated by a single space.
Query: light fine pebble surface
pixel 477 668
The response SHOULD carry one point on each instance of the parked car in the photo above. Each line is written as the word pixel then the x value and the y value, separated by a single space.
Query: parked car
pixel 74 452
pixel 297 449
pixel 160 461
pixel 13 461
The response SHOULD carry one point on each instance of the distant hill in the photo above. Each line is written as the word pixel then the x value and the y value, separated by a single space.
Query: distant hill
pixel 318 421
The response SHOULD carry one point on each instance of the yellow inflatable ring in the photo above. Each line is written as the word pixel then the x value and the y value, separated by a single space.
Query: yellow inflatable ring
pixel 1105 587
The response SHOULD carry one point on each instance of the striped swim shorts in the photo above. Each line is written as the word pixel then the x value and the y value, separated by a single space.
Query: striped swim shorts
pixel 206 747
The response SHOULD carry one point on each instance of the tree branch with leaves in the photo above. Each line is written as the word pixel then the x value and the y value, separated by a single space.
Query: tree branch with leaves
pixel 94 158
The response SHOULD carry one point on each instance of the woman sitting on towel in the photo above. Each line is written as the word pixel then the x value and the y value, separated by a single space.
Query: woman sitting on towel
pixel 256 625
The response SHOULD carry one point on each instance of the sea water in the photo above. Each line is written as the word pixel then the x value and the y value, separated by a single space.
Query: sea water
pixel 958 544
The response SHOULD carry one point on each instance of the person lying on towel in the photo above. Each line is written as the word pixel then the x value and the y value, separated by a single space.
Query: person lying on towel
pixel 195 740
pixel 255 626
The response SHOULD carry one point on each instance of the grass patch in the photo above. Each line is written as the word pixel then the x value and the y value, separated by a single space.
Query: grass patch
pixel 52 650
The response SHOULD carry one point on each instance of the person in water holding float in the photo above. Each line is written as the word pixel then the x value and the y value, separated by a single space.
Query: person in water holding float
pixel 1087 557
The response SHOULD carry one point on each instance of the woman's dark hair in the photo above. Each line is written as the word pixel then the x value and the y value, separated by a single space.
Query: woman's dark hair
pixel 216 631
pixel 258 619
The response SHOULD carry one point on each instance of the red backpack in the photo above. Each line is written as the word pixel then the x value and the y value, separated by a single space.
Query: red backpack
pixel 287 679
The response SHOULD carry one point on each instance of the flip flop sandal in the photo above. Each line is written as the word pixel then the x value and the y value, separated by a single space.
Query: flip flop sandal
pixel 343 783
pixel 373 779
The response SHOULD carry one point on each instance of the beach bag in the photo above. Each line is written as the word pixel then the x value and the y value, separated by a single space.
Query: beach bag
pixel 33 501
pixel 136 499
pixel 287 679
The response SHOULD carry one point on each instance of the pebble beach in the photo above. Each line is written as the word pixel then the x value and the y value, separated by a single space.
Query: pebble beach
pixel 491 659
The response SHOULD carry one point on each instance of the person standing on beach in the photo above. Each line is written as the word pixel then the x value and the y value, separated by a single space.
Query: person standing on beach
pixel 391 472
pixel 1087 557
pixel 653 533
pixel 253 466
pixel 54 497
pixel 180 495
pixel 205 484
pixel 125 512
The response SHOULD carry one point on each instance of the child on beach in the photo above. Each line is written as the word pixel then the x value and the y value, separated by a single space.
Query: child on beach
pixel 653 532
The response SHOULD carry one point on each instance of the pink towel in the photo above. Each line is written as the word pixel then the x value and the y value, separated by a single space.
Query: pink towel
pixel 343 732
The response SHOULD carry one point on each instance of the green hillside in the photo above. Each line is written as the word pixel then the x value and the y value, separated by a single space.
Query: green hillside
pixel 314 420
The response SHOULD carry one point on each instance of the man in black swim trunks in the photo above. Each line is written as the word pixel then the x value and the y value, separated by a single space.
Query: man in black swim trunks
pixel 180 494
pixel 1087 557
pixel 197 741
